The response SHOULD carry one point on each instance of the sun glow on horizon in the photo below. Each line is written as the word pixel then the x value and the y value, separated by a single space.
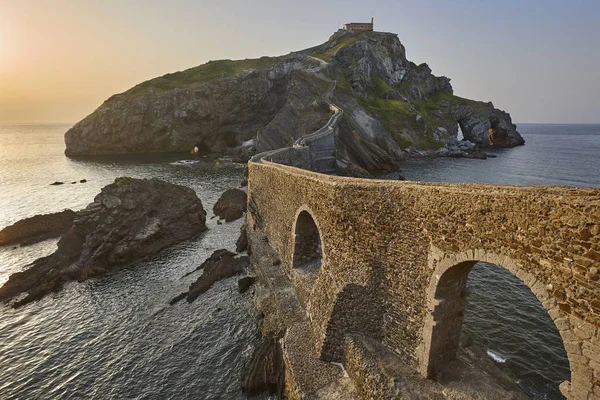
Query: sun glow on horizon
pixel 5 43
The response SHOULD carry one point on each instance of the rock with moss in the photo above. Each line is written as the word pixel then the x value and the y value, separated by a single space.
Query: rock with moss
pixel 130 219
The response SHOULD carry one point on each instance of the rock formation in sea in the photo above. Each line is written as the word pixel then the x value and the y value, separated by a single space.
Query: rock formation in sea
pixel 221 264
pixel 37 228
pixel 246 106
pixel 231 205
pixel 129 220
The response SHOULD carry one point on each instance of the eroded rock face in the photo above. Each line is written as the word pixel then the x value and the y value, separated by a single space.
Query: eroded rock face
pixel 231 205
pixel 485 125
pixel 129 220
pixel 217 115
pixel 266 371
pixel 37 228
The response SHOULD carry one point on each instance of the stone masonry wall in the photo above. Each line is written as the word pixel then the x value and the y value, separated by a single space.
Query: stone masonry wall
pixel 416 232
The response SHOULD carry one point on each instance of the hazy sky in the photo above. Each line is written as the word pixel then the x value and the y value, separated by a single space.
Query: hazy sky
pixel 59 59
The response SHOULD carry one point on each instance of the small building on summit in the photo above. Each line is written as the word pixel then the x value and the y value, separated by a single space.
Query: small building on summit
pixel 359 26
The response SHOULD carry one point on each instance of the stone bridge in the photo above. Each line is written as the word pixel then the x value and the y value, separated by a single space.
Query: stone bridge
pixel 388 260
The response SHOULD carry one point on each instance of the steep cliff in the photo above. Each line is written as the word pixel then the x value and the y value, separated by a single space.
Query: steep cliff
pixel 238 107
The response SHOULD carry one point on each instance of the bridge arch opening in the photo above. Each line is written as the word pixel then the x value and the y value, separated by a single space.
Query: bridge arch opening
pixel 308 249
pixel 484 305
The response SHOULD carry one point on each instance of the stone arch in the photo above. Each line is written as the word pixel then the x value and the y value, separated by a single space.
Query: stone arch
pixel 358 310
pixel 307 251
pixel 446 297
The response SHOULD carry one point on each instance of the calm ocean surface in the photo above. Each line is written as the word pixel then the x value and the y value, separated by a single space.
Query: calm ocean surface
pixel 117 337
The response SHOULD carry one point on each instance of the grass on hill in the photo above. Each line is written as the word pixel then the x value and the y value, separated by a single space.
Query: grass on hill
pixel 343 41
pixel 202 73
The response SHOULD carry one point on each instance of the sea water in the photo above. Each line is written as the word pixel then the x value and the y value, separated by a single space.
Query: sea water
pixel 117 337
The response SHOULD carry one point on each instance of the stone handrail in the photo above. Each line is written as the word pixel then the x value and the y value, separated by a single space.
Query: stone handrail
pixel 329 126
pixel 297 156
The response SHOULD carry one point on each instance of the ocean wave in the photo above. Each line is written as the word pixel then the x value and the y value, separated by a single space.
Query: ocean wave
pixel 496 357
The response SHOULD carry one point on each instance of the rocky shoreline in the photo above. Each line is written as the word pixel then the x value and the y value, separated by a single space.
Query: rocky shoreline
pixel 131 219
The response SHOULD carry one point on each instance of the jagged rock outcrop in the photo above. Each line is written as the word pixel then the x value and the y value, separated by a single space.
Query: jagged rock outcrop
pixel 266 371
pixel 231 205
pixel 245 283
pixel 485 125
pixel 129 220
pixel 220 265
pixel 239 107
pixel 37 228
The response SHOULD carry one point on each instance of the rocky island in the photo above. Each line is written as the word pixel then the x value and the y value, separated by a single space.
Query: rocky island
pixel 242 107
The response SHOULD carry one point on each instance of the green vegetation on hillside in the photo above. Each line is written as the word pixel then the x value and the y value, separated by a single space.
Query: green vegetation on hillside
pixel 202 73
pixel 345 40
pixel 400 118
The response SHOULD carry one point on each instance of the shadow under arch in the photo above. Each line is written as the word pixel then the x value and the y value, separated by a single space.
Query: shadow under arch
pixel 446 299
pixel 358 310
pixel 307 255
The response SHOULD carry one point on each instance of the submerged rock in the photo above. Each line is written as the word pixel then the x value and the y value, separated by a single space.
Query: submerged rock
pixel 37 228
pixel 129 220
pixel 231 205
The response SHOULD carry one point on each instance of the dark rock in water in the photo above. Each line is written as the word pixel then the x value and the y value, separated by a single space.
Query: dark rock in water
pixel 478 155
pixel 83 181
pixel 244 182
pixel 266 371
pixel 37 228
pixel 214 257
pixel 215 269
pixel 231 205
pixel 178 298
pixel 129 220
pixel 245 283
pixel 242 243
pixel 74 182
pixel 57 183
pixel 485 125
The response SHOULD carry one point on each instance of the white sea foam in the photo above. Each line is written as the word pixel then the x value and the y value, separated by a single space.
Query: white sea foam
pixel 185 162
pixel 496 357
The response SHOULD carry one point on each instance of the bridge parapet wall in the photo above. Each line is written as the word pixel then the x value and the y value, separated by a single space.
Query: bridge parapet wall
pixel 413 233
